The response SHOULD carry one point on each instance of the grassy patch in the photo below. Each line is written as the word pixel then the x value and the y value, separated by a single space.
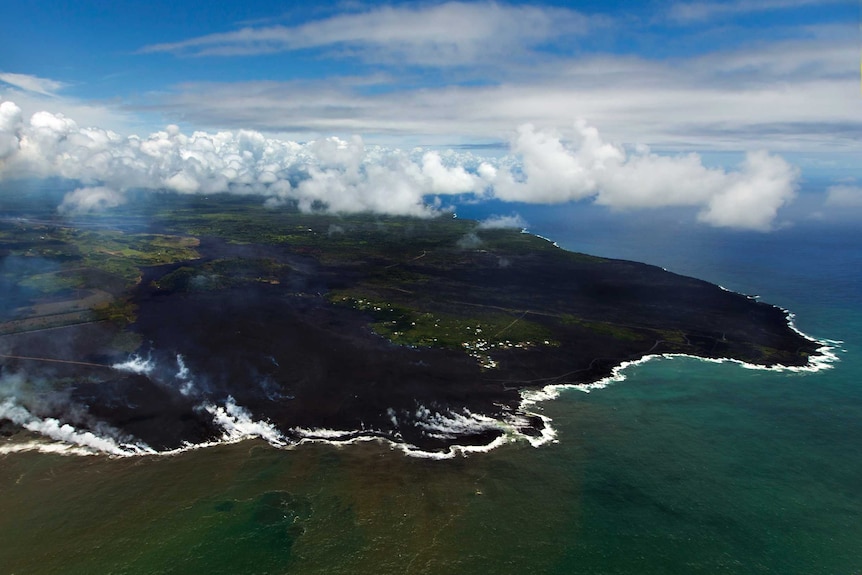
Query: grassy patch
pixel 120 312
pixel 110 251
pixel 51 282
pixel 613 330
pixel 223 273
pixel 424 328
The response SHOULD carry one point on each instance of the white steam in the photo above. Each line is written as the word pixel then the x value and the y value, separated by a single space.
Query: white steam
pixel 135 364
pixel 237 424
pixel 452 425
pixel 503 222
pixel 349 176
pixel 63 432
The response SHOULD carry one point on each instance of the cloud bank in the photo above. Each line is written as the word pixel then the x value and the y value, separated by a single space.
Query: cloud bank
pixel 349 176
pixel 553 171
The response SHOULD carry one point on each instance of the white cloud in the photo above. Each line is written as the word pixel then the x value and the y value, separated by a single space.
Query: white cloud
pixel 43 86
pixel 503 222
pixel 343 175
pixel 446 180
pixel 85 113
pixel 89 200
pixel 843 195
pixel 588 167
pixel 754 97
pixel 695 12
pixel 10 123
pixel 753 196
pixel 452 33
pixel 348 176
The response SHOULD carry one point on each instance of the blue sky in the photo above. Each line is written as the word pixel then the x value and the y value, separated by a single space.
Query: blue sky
pixel 720 79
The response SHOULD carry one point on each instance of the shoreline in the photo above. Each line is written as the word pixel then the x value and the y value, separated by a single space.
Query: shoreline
pixel 238 426
pixel 235 423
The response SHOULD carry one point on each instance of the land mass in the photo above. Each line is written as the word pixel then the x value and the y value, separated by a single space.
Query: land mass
pixel 190 319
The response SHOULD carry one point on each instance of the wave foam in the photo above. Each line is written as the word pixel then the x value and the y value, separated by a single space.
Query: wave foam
pixel 529 398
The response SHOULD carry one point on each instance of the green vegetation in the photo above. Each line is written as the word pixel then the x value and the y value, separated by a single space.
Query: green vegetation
pixel 123 255
pixel 66 263
pixel 222 274
pixel 120 312
pixel 673 336
pixel 475 332
pixel 439 282
pixel 50 282
pixel 70 250
pixel 334 239
pixel 606 328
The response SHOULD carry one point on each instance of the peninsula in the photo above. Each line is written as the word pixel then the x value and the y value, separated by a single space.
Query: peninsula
pixel 182 320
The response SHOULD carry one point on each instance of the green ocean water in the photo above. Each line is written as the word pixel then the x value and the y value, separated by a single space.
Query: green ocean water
pixel 685 467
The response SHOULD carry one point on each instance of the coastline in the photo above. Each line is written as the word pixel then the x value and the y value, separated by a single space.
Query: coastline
pixel 237 424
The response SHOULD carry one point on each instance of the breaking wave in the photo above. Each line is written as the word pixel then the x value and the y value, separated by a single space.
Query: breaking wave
pixel 825 359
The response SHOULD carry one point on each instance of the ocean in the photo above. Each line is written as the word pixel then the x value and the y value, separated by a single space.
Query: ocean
pixel 683 467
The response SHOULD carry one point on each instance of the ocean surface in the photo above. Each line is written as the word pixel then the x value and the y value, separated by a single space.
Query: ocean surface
pixel 683 467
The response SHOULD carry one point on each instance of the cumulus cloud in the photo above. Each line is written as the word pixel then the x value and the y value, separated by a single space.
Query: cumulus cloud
pixel 10 124
pixel 341 175
pixel 751 197
pixel 349 176
pixel 553 171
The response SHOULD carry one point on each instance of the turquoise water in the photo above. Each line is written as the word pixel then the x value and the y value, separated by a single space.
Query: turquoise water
pixel 684 467
pixel 711 468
